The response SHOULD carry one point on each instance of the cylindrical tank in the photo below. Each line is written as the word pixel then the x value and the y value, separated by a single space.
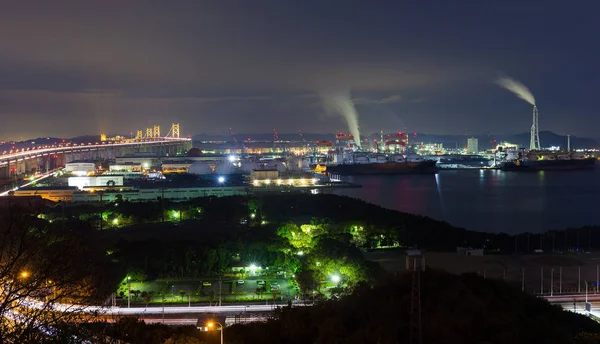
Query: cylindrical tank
pixel 224 168
pixel 249 166
pixel 200 168
pixel 275 165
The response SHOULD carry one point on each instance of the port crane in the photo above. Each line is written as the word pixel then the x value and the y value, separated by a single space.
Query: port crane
pixel 237 143
pixel 492 142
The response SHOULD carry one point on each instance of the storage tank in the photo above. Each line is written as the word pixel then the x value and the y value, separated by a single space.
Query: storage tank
pixel 225 168
pixel 200 168
pixel 276 165
pixel 249 166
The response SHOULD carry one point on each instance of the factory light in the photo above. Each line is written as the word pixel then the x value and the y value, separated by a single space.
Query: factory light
pixel 255 182
pixel 291 181
pixel 279 181
pixel 221 179
pixel 267 181
pixel 302 181
pixel 314 181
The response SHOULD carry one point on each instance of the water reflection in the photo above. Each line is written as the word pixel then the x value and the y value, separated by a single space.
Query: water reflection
pixel 490 200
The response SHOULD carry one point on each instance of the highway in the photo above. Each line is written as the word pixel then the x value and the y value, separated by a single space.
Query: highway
pixel 23 154
pixel 35 180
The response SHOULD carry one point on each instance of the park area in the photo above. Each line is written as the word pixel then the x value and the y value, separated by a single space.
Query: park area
pixel 208 291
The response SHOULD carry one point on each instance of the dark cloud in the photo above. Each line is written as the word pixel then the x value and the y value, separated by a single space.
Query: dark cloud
pixel 74 67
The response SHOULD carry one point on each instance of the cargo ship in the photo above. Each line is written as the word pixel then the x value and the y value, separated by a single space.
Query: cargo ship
pixel 547 161
pixel 384 164
pixel 460 162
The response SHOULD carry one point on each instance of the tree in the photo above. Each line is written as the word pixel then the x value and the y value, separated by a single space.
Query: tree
pixel 146 297
pixel 136 293
pixel 182 294
pixel 40 265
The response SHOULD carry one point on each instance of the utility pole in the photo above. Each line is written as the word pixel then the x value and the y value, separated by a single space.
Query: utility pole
pixel 416 335
pixel 101 210
pixel 220 284
pixel 128 292
pixel 560 280
pixel 552 282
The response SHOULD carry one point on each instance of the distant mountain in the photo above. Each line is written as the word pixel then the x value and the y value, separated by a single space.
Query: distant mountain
pixel 265 137
pixel 548 139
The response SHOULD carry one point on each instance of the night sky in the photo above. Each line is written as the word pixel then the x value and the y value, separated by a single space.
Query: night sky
pixel 71 68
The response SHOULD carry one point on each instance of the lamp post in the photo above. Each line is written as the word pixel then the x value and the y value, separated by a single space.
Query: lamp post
pixel 128 291
pixel 212 324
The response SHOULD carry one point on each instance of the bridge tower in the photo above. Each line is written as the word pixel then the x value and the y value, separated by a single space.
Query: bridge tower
pixel 139 135
pixel 175 130
pixel 148 133
pixel 156 131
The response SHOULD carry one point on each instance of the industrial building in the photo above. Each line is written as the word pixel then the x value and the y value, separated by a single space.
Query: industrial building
pixel 473 145
pixel 174 194
pixel 80 168
pixel 99 181
pixel 126 167
pixel 52 193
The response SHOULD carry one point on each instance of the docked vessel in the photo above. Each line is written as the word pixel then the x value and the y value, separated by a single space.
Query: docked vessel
pixel 543 161
pixel 459 162
pixel 362 164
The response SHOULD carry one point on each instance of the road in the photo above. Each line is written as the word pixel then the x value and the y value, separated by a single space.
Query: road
pixel 35 180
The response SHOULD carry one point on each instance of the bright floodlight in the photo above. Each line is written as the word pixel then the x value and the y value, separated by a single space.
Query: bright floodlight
pixel 210 324
pixel 116 221
pixel 231 158
pixel 300 253
pixel 221 180
pixel 267 181
pixel 335 278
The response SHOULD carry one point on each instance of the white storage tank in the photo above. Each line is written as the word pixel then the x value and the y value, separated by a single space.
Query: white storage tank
pixel 225 168
pixel 200 168
pixel 249 166
pixel 275 165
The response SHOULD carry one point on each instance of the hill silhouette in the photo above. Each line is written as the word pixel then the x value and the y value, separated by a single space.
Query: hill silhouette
pixel 455 309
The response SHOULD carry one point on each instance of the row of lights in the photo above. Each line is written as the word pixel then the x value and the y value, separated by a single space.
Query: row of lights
pixel 301 181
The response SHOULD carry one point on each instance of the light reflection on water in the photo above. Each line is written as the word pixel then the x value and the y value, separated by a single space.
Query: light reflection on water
pixel 490 200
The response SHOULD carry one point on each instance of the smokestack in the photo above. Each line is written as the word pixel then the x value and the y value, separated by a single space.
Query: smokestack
pixel 340 102
pixel 568 143
pixel 534 143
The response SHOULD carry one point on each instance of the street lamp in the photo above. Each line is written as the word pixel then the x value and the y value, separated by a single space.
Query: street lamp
pixel 211 324
pixel 24 274
pixel 335 279
pixel 128 291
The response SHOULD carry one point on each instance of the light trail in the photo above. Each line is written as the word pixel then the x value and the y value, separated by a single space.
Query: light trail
pixel 42 177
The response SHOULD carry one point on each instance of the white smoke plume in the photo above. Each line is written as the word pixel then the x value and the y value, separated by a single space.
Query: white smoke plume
pixel 341 102
pixel 517 88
